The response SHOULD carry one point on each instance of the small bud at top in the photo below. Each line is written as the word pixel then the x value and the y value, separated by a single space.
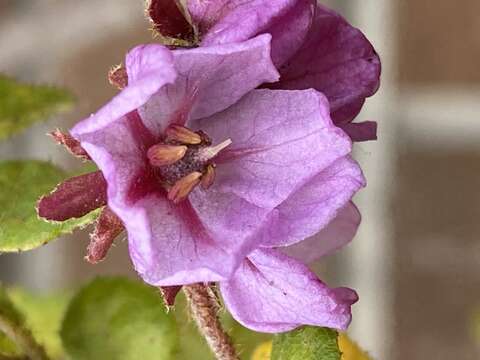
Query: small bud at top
pixel 117 76
pixel 182 188
pixel 169 19
pixel 209 177
pixel 182 135
pixel 162 154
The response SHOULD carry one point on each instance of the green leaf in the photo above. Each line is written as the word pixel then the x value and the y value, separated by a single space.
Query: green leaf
pixel 21 105
pixel 43 316
pixel 306 343
pixel 21 185
pixel 121 319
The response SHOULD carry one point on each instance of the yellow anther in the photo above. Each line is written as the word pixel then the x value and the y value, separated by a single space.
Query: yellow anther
pixel 182 188
pixel 182 135
pixel 162 154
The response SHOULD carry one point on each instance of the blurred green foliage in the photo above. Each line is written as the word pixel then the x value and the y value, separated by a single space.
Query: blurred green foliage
pixel 21 105
pixel 121 319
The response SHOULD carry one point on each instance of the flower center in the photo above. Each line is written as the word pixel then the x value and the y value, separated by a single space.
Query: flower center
pixel 183 160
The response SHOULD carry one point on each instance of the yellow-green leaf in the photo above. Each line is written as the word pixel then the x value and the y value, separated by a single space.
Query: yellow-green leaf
pixel 306 343
pixel 21 105
pixel 21 185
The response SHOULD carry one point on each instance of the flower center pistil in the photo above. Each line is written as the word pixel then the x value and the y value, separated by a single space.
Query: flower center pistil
pixel 183 160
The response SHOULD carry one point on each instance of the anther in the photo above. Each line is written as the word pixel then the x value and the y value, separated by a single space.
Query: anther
pixel 182 188
pixel 182 135
pixel 162 154
pixel 209 177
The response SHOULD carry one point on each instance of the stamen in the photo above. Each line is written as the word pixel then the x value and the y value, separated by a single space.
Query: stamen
pixel 210 152
pixel 182 188
pixel 182 135
pixel 162 154
pixel 209 177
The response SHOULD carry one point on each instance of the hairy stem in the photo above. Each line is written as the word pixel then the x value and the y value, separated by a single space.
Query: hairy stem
pixel 204 308
pixel 22 338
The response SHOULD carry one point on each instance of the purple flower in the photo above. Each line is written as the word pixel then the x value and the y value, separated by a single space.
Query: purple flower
pixel 312 46
pixel 211 175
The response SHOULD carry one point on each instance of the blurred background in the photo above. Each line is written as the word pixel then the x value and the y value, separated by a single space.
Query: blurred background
pixel 415 261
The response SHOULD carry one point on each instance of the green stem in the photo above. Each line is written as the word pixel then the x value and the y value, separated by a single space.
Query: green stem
pixel 22 338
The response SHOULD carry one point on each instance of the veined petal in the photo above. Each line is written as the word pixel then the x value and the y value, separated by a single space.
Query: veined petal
pixel 280 140
pixel 271 292
pixel 229 21
pixel 116 138
pixel 338 60
pixel 149 68
pixel 119 151
pixel 338 233
pixel 201 241
pixel 312 207
pixel 210 79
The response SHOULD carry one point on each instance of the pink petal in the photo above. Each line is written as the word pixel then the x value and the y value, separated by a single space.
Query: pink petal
pixel 290 30
pixel 120 154
pixel 170 245
pixel 271 292
pixel 115 137
pixel 188 243
pixel 149 68
pixel 281 139
pixel 338 233
pixel 210 80
pixel 74 197
pixel 230 21
pixel 338 60
pixel 315 204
